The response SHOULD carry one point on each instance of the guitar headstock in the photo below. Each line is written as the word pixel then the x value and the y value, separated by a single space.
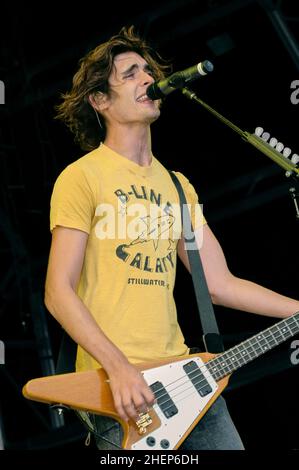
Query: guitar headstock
pixel 278 146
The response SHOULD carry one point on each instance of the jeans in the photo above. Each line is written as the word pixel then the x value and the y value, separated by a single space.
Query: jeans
pixel 215 431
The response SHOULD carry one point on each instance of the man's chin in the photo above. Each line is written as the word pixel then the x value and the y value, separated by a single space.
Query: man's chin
pixel 154 117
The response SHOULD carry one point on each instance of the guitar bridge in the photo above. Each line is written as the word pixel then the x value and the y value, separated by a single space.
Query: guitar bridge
pixel 143 422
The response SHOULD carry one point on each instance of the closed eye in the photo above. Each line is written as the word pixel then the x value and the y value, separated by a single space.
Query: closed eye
pixel 131 72
pixel 130 75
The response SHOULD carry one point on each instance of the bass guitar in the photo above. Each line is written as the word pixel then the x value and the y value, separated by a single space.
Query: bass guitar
pixel 185 387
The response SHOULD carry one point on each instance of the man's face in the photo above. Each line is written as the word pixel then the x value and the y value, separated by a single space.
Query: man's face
pixel 128 103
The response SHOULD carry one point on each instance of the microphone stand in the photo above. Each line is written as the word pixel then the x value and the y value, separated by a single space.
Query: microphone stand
pixel 291 168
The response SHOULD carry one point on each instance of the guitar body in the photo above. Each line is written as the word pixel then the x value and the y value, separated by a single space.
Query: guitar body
pixel 183 386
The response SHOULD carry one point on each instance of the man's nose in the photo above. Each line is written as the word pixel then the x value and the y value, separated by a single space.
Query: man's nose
pixel 146 78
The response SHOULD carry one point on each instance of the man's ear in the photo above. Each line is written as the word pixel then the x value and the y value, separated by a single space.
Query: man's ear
pixel 98 100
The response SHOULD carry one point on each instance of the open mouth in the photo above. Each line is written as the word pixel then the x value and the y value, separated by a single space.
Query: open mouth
pixel 144 99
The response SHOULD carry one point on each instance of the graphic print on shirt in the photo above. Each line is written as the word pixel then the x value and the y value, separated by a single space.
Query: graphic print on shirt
pixel 153 247
pixel 153 229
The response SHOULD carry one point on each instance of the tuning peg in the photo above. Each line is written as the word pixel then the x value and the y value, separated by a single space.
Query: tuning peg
pixel 265 136
pixel 286 152
pixel 295 158
pixel 258 131
pixel 279 147
pixel 273 141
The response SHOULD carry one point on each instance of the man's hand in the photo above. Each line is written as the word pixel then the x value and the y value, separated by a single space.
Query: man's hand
pixel 130 391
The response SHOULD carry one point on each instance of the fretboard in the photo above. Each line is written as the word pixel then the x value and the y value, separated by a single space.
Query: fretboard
pixel 236 357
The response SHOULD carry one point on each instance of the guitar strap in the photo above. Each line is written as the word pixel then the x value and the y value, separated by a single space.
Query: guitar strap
pixel 211 337
pixel 67 355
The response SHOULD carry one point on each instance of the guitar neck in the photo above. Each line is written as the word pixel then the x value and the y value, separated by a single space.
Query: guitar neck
pixel 236 357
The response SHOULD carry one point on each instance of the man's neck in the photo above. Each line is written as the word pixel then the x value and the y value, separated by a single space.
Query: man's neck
pixel 134 144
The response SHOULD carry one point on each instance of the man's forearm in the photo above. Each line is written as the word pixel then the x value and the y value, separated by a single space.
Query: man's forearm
pixel 69 310
pixel 129 389
pixel 245 295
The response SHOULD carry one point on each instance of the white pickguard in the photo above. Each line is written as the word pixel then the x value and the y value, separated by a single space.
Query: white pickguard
pixel 186 398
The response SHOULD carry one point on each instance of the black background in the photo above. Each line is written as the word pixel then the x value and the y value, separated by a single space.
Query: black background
pixel 245 195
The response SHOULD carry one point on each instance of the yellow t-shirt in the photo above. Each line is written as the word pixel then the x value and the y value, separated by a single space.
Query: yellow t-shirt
pixel 132 216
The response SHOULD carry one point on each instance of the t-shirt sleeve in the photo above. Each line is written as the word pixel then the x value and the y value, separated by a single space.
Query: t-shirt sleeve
pixel 72 201
pixel 195 208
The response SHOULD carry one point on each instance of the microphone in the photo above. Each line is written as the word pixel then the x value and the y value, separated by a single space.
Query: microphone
pixel 163 87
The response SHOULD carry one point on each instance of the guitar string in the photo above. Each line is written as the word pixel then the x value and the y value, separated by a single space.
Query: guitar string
pixel 192 385
pixel 174 398
pixel 199 373
pixel 201 367
pixel 189 387
pixel 229 351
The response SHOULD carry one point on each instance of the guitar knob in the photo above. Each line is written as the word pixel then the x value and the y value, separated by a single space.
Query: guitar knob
pixel 151 441
pixel 165 444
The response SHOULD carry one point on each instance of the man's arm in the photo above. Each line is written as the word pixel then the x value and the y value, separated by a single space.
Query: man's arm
pixel 231 291
pixel 129 389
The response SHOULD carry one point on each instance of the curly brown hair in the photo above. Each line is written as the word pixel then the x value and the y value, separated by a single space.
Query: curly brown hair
pixel 95 68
